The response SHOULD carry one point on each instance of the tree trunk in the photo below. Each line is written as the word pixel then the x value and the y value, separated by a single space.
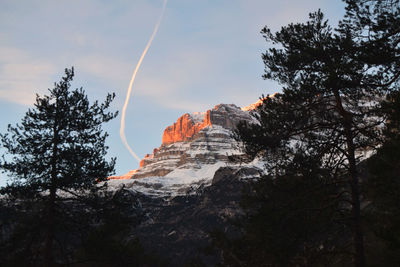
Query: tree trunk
pixel 49 251
pixel 358 239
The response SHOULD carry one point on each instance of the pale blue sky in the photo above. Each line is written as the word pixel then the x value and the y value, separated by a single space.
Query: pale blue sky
pixel 206 52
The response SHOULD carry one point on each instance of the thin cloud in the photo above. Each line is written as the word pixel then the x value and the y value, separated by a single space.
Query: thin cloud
pixel 22 76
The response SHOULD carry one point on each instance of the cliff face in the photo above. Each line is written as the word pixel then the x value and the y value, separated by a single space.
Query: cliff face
pixel 195 141
pixel 187 127
pixel 182 130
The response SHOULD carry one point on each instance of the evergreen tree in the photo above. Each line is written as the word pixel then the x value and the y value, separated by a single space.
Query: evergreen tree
pixel 382 191
pixel 292 219
pixel 111 242
pixel 333 82
pixel 58 148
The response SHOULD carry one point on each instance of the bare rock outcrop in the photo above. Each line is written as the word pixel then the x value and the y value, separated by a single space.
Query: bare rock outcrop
pixel 195 140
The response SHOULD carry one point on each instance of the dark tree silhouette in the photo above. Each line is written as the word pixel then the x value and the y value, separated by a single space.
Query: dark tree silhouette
pixel 59 148
pixel 333 83
pixel 291 219
pixel 381 191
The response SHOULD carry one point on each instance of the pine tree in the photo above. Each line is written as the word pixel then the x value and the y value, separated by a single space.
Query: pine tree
pixel 333 82
pixel 381 191
pixel 291 219
pixel 58 148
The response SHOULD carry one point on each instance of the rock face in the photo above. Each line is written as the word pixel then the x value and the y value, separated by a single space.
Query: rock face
pixel 182 130
pixel 195 141
pixel 187 127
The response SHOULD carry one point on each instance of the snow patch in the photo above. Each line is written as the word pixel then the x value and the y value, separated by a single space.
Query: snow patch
pixel 177 182
pixel 181 181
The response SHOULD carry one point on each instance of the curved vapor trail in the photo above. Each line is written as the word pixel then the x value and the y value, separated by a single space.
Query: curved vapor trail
pixel 128 93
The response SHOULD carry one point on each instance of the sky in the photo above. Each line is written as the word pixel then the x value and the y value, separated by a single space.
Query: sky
pixel 206 52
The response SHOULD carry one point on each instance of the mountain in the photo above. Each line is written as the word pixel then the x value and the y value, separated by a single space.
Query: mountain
pixel 193 148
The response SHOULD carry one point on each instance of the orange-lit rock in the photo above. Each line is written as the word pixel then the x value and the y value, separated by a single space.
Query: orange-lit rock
pixel 182 130
pixel 185 128
pixel 257 104
pixel 125 176
pixel 142 163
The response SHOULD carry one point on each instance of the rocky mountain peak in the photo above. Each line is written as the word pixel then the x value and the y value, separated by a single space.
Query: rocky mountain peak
pixel 192 149
pixel 195 140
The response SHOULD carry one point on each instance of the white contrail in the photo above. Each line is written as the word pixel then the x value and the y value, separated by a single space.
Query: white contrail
pixel 128 93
